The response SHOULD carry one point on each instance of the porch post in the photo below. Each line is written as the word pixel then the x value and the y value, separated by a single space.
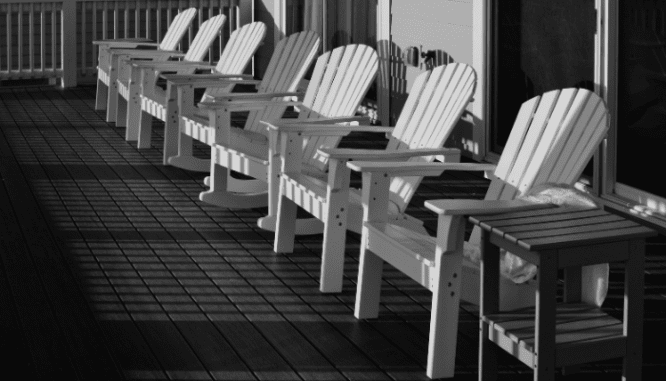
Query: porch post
pixel 68 43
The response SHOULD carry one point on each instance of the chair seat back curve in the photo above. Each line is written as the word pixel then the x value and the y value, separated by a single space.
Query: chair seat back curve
pixel 289 62
pixel 111 50
pixel 150 100
pixel 434 106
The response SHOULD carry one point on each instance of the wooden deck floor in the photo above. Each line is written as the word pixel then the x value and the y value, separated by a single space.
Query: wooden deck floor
pixel 111 269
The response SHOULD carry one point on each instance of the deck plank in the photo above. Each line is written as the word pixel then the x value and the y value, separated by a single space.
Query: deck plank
pixel 181 287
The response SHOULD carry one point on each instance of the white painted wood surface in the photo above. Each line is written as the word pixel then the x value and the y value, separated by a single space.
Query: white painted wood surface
pixel 435 104
pixel 131 79
pixel 290 60
pixel 153 101
pixel 339 81
pixel 107 62
pixel 554 137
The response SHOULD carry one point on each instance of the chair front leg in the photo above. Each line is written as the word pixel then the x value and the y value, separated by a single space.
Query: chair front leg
pixel 370 268
pixel 335 227
pixel 178 99
pixel 290 149
pixel 220 121
pixel 143 120
pixel 123 72
pixel 102 70
pixel 112 91
pixel 178 146
pixel 445 287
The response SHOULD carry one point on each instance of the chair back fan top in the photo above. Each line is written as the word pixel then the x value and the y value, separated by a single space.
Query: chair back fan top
pixel 340 80
pixel 206 34
pixel 237 53
pixel 240 48
pixel 552 140
pixel 290 61
pixel 434 105
pixel 177 29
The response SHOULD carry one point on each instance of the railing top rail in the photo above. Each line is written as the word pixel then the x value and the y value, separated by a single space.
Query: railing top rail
pixel 177 3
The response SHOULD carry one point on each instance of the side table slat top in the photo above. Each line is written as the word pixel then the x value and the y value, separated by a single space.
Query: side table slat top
pixel 561 227
pixel 549 210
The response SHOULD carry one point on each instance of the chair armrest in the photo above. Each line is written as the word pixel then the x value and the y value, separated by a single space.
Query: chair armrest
pixel 309 129
pixel 361 119
pixel 245 105
pixel 468 207
pixel 125 41
pixel 146 53
pixel 415 168
pixel 235 97
pixel 186 79
pixel 171 64
pixel 366 155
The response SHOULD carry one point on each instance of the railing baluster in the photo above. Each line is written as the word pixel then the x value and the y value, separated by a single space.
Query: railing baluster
pixel 158 16
pixel 9 39
pixel 105 20
pixel 42 39
pixel 115 20
pixel 126 20
pixel 94 35
pixel 54 59
pixel 20 38
pixel 148 18
pixel 31 37
pixel 83 69
pixel 137 20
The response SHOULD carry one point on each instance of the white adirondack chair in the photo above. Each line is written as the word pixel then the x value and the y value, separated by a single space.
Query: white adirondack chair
pixel 434 106
pixel 111 50
pixel 339 82
pixel 291 58
pixel 129 81
pixel 553 138
pixel 152 101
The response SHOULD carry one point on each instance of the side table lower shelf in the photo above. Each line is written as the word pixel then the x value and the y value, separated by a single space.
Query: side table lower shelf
pixel 583 333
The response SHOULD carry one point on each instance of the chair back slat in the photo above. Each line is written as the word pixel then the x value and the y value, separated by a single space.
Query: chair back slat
pixel 435 104
pixel 338 91
pixel 558 126
pixel 576 143
pixel 517 136
pixel 527 147
pixel 561 137
pixel 237 54
pixel 240 48
pixel 177 29
pixel 590 141
pixel 290 61
pixel 207 33
pixel 408 110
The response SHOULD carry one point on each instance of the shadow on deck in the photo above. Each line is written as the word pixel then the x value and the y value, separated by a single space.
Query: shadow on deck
pixel 112 269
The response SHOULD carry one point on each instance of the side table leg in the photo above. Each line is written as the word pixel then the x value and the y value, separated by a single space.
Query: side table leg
pixel 544 346
pixel 489 304
pixel 634 281
pixel 572 294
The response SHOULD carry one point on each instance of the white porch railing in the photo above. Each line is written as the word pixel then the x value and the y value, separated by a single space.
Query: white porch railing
pixel 53 38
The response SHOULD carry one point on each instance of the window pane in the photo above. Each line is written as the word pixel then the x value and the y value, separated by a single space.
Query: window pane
pixel 641 126
pixel 540 45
